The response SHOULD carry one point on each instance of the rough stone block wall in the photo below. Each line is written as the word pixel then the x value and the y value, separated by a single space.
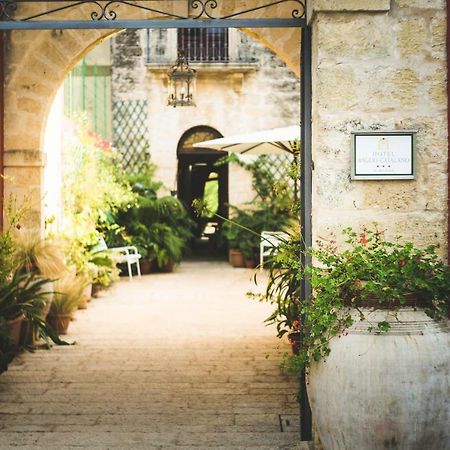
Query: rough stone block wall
pixel 380 70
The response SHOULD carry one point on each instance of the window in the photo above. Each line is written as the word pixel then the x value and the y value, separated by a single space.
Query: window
pixel 204 45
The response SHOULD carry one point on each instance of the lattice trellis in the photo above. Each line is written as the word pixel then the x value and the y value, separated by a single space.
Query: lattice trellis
pixel 130 135
pixel 279 166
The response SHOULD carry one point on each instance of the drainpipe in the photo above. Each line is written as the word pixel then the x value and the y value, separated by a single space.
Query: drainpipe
pixel 2 134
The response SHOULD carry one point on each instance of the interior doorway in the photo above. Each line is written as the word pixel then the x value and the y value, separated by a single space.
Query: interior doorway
pixel 200 175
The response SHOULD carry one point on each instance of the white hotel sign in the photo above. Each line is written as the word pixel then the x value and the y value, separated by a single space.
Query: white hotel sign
pixel 383 155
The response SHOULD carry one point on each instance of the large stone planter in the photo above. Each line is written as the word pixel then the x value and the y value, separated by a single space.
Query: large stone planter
pixel 386 391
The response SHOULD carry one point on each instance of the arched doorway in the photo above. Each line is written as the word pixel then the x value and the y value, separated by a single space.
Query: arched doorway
pixel 66 47
pixel 200 177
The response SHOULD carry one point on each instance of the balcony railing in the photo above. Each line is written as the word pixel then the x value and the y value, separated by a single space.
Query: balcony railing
pixel 201 46
pixel 204 45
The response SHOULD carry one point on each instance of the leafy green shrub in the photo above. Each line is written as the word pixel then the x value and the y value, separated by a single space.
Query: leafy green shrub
pixel 158 226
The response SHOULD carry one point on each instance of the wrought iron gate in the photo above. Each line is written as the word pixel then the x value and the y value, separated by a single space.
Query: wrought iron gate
pixel 104 14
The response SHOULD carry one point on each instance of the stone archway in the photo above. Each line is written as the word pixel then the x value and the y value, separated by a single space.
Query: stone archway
pixel 36 64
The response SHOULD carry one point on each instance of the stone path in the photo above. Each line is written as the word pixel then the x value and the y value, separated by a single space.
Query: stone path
pixel 168 361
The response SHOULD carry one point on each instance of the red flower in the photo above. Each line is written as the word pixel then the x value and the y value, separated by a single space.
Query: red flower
pixel 402 262
pixel 363 239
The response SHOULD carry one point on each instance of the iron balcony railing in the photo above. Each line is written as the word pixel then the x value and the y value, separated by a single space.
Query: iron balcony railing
pixel 203 45
pixel 210 45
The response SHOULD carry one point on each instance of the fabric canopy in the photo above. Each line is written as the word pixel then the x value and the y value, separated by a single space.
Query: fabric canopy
pixel 273 141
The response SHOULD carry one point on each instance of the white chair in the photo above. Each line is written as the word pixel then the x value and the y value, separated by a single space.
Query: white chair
pixel 127 254
pixel 270 240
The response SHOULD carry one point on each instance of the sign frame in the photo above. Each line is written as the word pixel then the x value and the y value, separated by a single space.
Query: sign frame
pixel 407 175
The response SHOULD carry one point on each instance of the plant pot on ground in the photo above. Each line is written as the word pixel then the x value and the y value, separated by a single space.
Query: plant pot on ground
pixel 43 259
pixel 85 296
pixel 236 258
pixel 96 289
pixel 168 267
pixel 23 295
pixel 68 293
pixel 146 266
pixel 250 263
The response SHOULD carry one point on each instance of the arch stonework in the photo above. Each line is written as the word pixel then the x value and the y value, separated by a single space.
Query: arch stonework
pixel 37 63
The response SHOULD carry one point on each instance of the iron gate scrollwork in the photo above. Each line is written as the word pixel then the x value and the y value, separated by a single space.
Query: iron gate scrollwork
pixel 106 10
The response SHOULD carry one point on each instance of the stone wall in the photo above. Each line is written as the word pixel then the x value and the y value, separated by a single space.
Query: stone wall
pixel 383 69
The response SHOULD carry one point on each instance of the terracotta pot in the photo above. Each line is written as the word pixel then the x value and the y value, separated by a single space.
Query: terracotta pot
pixel 146 266
pixel 83 303
pixel 249 263
pixel 86 296
pixel 60 323
pixel 87 292
pixel 96 288
pixel 236 258
pixel 169 267
pixel 15 327
pixel 389 390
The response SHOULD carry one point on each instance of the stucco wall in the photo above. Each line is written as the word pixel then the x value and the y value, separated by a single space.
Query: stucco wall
pixel 382 69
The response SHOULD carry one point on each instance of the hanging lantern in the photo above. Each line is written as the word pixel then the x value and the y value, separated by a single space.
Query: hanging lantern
pixel 181 83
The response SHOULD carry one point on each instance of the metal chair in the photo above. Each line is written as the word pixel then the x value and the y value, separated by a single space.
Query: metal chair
pixel 127 254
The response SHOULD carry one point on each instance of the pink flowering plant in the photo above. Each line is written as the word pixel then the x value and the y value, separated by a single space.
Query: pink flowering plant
pixel 369 272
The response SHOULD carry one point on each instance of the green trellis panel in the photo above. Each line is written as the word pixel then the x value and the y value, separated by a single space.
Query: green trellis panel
pixel 279 166
pixel 130 132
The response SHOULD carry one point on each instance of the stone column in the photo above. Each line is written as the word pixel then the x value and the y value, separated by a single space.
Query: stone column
pixel 380 65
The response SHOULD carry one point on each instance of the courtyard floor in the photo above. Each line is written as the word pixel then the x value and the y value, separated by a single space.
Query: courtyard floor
pixel 178 360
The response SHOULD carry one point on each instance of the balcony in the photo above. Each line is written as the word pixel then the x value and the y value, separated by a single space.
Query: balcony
pixel 210 50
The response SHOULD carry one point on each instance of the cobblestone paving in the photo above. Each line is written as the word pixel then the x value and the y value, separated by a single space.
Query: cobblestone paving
pixel 168 361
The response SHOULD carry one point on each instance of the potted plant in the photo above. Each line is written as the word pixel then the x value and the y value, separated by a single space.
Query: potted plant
pixel 67 296
pixel 159 226
pixel 106 271
pixel 23 296
pixel 377 344
pixel 283 290
pixel 233 235
pixel 42 258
